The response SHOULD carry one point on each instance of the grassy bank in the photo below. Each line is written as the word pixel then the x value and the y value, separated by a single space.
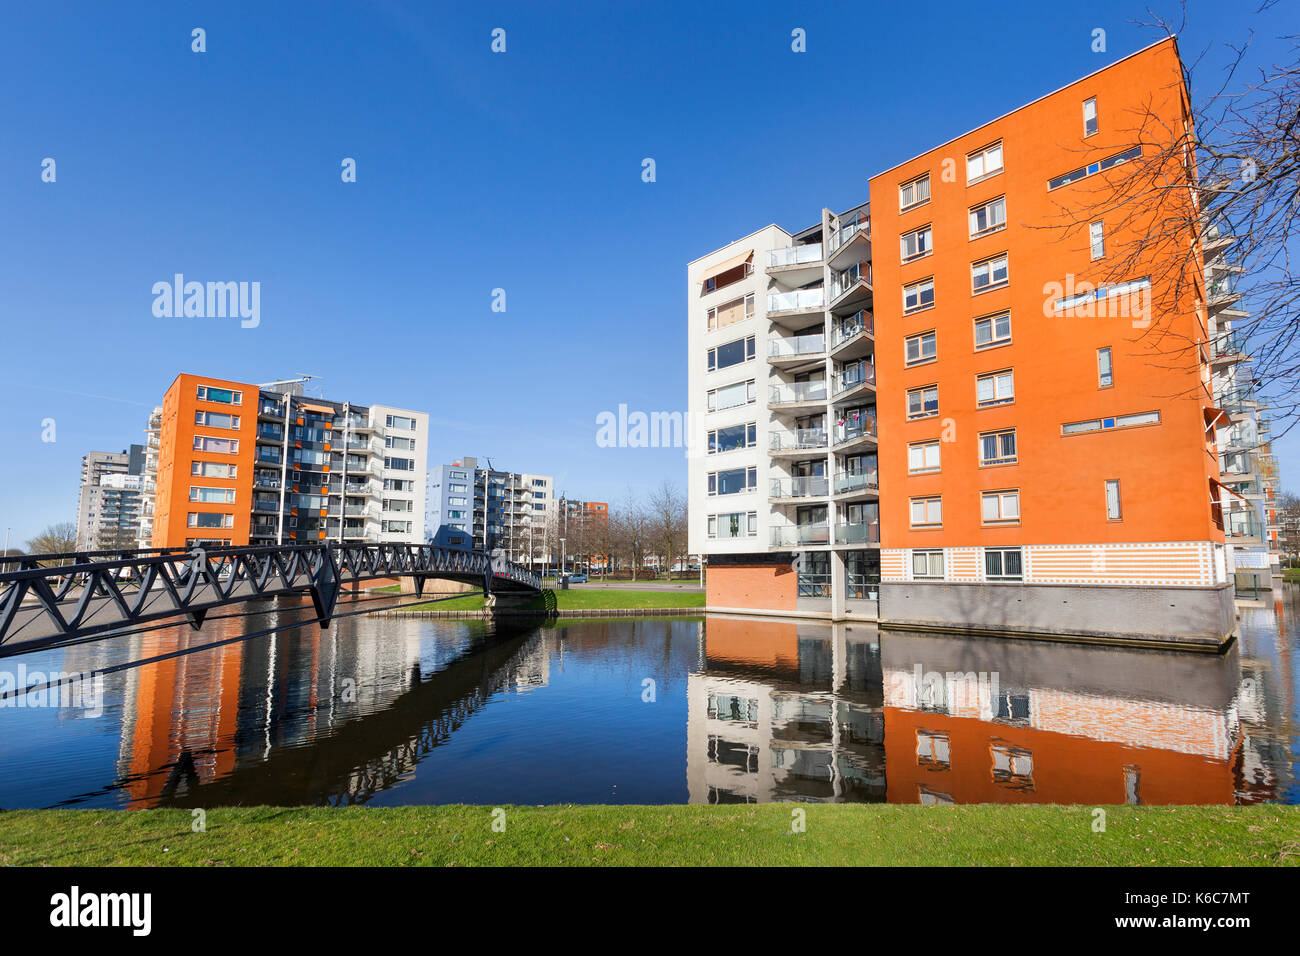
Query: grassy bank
pixel 676 835
pixel 574 600
pixel 1291 574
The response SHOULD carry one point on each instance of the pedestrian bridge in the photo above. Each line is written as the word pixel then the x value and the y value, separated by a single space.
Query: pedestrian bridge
pixel 48 599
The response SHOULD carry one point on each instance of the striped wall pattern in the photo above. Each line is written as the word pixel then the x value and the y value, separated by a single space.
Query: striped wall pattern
pixel 1152 564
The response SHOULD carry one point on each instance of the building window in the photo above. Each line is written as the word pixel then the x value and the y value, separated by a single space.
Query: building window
pixel 916 243
pixel 922 456
pixel 220 446
pixel 923 402
pixel 216 420
pixel 225 396
pixel 397 464
pixel 1113 510
pixel 212 469
pixel 922 347
pixel 729 313
pixel 988 217
pixel 732 396
pixel 732 353
pixel 1012 765
pixel 1089 116
pixel 995 388
pixel 997 507
pixel 1074 175
pixel 1097 239
pixel 993 330
pixel 988 273
pixel 460 474
pixel 400 421
pixel 918 295
pixel 1105 374
pixel 733 437
pixel 998 448
pixel 927 565
pixel 221 496
pixel 914 193
pixel 205 520
pixel 1002 564
pixel 402 444
pixel 733 481
pixel 927 512
pixel 932 749
pixel 739 524
pixel 1119 421
pixel 983 163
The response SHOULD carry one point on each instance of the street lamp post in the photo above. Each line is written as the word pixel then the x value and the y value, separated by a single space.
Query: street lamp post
pixel 560 573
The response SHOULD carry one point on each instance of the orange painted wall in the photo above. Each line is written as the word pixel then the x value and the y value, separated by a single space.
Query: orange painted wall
pixel 760 587
pixel 768 644
pixel 1163 469
pixel 176 455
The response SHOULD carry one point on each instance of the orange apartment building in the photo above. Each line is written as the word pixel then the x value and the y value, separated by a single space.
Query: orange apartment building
pixel 1043 466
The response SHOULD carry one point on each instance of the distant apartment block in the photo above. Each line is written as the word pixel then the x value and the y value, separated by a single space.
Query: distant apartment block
pixel 109 501
pixel 239 463
pixel 942 434
pixel 483 507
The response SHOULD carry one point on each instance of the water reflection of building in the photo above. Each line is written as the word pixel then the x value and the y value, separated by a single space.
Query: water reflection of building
pixel 1267 697
pixel 977 720
pixel 785 711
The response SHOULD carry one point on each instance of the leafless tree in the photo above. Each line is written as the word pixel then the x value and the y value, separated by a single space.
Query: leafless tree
pixel 631 532
pixel 58 538
pixel 667 507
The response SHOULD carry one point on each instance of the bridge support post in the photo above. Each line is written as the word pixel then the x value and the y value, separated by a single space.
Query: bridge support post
pixel 325 588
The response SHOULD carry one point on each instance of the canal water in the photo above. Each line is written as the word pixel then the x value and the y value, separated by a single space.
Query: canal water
pixel 385 711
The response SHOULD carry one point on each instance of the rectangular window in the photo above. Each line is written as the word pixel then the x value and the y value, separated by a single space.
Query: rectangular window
pixel 220 496
pixel 400 421
pixel 988 217
pixel 216 419
pixel 225 396
pixel 1074 175
pixel 1105 374
pixel 927 512
pixel 212 469
pixel 927 564
pixel 732 396
pixel 916 243
pixel 918 295
pixel 733 437
pixel 732 353
pixel 203 520
pixel 1002 564
pixel 734 481
pixel 998 448
pixel 922 456
pixel 1089 116
pixel 983 163
pixel 999 507
pixel 402 444
pixel 923 402
pixel 988 274
pixel 914 193
pixel 1097 239
pixel 738 524
pixel 993 330
pixel 220 446
pixel 1113 510
pixel 920 348
pixel 399 464
pixel 729 313
pixel 996 388
pixel 1103 424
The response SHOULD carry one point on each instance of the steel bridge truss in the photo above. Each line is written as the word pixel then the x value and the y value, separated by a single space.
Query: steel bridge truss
pixel 54 598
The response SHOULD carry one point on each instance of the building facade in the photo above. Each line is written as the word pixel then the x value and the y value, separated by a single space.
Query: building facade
pixel 482 507
pixel 108 502
pixel 240 463
pixel 1043 465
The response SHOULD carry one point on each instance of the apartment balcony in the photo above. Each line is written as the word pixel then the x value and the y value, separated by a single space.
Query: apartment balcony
pixel 813 486
pixel 267 455
pixel 1223 292
pixel 1228 349
pixel 360 511
pixel 850 434
pixel 1242 528
pixel 792 309
pixel 1239 405
pixel 270 411
pixel 854 380
pixel 797 396
pixel 795 350
pixel 853 237
pixel 853 336
pixel 270 484
pixel 799 535
pixel 858 532
pixel 270 433
pixel 353 488
pixel 795 265
pixel 263 506
pixel 353 533
pixel 851 286
pixel 856 485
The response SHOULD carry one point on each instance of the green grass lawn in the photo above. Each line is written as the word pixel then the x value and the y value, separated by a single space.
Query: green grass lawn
pixel 850 834
pixel 576 600
pixel 1291 574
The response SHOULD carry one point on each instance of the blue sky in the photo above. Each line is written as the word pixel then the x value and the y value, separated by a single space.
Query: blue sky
pixel 475 171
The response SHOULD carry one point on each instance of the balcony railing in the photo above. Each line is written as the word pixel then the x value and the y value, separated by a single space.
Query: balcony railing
pixel 271 483
pixel 796 346
pixel 798 392
pixel 861 481
pixel 854 325
pixel 793 535
pixel 798 439
pixel 851 376
pixel 858 532
pixel 1242 524
pixel 794 255
pixel 848 229
pixel 797 300
pixel 811 486
pixel 841 282
pixel 847 429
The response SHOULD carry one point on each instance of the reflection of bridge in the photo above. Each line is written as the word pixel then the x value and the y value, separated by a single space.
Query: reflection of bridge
pixel 51 599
